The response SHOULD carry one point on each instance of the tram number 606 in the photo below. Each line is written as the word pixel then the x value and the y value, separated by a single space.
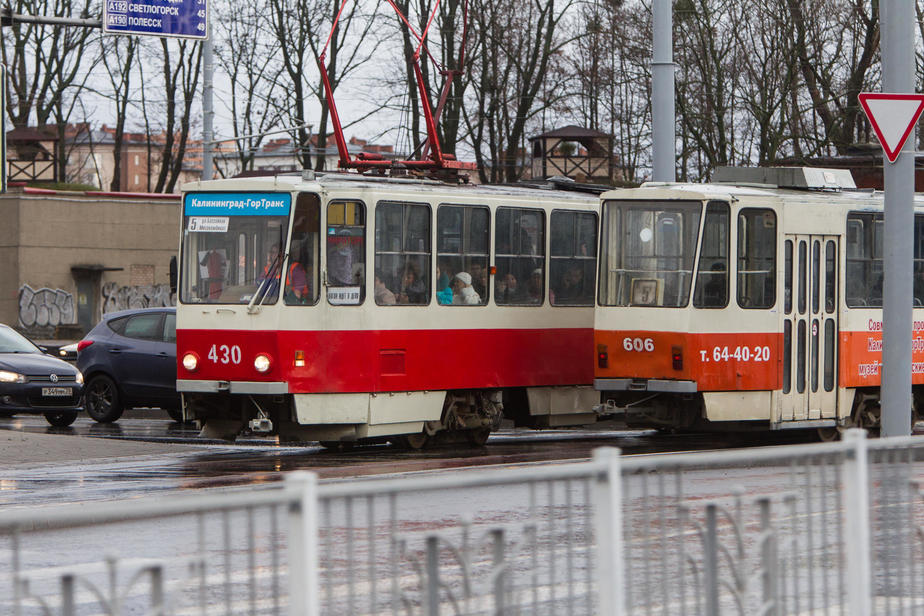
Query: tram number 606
pixel 225 354
pixel 638 344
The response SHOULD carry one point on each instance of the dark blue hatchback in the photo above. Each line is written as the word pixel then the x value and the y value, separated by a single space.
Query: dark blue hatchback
pixel 32 382
pixel 129 360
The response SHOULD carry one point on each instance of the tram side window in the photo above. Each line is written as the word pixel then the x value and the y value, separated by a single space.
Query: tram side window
pixel 519 246
pixel 402 253
pixel 756 258
pixel 712 272
pixel 572 259
pixel 919 261
pixel 462 234
pixel 301 287
pixel 864 259
pixel 346 252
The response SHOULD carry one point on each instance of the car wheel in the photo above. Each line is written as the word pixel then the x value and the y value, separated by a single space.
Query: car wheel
pixel 176 415
pixel 101 397
pixel 61 420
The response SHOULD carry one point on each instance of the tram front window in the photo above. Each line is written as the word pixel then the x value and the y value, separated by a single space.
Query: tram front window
pixel 233 247
pixel 648 251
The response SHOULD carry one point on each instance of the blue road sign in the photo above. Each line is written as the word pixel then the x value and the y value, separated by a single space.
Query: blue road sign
pixel 182 18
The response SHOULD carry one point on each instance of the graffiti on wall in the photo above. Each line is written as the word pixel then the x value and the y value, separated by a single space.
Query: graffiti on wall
pixel 44 307
pixel 142 296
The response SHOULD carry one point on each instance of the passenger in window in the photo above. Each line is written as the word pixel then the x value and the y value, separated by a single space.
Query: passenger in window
pixel 463 293
pixel 268 282
pixel 214 263
pixel 413 290
pixel 534 288
pixel 340 259
pixel 442 277
pixel 479 279
pixel 507 291
pixel 571 288
pixel 383 296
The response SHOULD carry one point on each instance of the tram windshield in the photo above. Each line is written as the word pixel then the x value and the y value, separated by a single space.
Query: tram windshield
pixel 647 252
pixel 233 247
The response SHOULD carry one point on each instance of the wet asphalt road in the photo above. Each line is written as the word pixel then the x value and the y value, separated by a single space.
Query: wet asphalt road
pixel 262 460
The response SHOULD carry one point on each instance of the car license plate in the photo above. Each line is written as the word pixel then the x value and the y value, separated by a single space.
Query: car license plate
pixel 56 391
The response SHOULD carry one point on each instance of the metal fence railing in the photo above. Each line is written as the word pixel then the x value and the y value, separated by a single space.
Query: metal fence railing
pixel 833 528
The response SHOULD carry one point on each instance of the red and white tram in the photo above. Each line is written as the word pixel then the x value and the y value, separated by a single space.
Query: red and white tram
pixel 752 301
pixel 344 308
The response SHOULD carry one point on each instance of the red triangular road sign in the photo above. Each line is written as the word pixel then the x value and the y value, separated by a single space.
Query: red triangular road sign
pixel 893 117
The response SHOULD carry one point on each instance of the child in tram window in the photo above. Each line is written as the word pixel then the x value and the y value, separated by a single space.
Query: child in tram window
pixel 413 290
pixel 463 294
pixel 383 297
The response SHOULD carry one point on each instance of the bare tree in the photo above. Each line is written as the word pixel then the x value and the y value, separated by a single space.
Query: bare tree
pixel 303 30
pixel 516 49
pixel 181 66
pixel 837 43
pixel 246 53
pixel 119 53
pixel 48 66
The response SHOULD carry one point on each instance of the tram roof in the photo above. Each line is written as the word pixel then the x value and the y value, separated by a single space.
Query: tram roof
pixel 293 183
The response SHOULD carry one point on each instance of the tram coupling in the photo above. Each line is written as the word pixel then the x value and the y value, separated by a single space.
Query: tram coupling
pixel 608 408
pixel 261 424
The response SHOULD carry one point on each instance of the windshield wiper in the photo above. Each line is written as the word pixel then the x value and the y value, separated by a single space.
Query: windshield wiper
pixel 254 305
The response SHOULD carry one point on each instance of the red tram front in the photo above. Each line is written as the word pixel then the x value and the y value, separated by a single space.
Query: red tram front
pixel 342 308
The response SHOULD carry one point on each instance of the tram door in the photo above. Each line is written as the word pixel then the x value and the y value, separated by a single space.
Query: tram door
pixel 810 328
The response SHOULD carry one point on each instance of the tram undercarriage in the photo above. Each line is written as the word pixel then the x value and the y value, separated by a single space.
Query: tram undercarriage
pixel 412 419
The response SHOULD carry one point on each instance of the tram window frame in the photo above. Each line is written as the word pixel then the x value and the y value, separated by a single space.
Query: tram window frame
pixel 864 267
pixel 565 256
pixel 357 269
pixel 401 255
pixel 830 374
pixel 468 254
pixel 816 276
pixel 803 277
pixel 706 293
pixel 516 260
pixel 759 296
pixel 787 276
pixel 302 220
pixel 830 276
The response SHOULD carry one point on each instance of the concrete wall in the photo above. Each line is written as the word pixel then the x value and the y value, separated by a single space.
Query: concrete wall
pixel 121 244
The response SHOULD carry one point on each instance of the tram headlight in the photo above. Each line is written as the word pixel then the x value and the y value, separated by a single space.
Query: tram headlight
pixel 677 357
pixel 191 362
pixel 602 356
pixel 262 363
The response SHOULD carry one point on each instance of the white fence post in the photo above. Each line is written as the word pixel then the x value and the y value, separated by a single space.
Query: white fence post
pixel 856 524
pixel 607 495
pixel 304 590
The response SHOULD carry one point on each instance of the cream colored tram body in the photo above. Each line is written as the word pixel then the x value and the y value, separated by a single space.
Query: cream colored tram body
pixel 343 307
pixel 755 301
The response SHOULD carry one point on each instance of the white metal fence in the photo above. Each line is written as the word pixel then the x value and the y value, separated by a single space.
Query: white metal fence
pixel 832 528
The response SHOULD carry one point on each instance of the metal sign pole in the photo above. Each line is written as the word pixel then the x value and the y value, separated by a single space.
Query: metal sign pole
pixel 897 19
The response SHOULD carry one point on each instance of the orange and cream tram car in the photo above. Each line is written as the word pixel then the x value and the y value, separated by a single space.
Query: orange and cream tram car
pixel 754 301
pixel 343 308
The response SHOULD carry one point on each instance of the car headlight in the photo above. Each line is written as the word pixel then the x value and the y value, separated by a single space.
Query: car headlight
pixel 11 377
pixel 191 362
pixel 79 377
pixel 262 363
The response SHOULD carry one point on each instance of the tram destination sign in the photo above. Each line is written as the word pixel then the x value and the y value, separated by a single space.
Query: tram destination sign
pixel 177 18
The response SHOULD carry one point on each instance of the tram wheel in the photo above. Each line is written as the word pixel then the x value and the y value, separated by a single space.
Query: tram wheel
pixel 478 437
pixel 414 441
pixel 830 434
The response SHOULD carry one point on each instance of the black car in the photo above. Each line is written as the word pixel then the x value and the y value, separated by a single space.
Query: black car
pixel 33 382
pixel 129 360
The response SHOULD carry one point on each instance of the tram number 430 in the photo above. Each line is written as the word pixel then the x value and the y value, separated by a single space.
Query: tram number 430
pixel 224 354
pixel 738 353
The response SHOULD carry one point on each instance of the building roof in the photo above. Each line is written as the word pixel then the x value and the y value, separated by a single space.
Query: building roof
pixel 28 134
pixel 571 131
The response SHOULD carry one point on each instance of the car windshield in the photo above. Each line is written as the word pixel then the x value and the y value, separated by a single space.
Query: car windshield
pixel 233 247
pixel 13 342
